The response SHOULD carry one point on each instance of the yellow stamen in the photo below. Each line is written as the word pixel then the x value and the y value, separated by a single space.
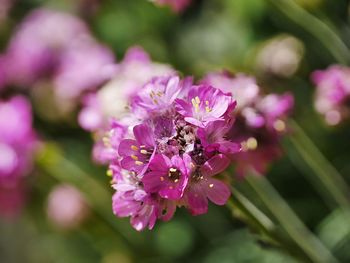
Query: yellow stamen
pixel 134 157
pixel 143 151
pixel 198 100
pixel 173 170
pixel 109 172
pixel 138 163
pixel 134 147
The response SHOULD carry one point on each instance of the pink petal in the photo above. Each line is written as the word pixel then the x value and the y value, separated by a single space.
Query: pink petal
pixel 217 191
pixel 160 163
pixel 152 181
pixel 125 147
pixel 197 201
pixel 144 134
pixel 215 165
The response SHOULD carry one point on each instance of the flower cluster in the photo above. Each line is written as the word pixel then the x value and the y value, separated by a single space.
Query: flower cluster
pixel 332 93
pixel 17 144
pixel 173 151
pixel 175 5
pixel 259 120
pixel 57 50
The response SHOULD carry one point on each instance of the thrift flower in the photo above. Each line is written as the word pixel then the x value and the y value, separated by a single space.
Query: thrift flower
pixel 17 145
pixel 332 93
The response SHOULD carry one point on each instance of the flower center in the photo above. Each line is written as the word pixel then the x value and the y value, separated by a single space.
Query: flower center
pixel 174 174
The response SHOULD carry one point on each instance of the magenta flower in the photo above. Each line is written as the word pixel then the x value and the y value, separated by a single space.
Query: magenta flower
pixel 175 5
pixel 156 95
pixel 17 145
pixel 332 93
pixel 204 104
pixel 35 48
pixel 137 153
pixel 183 136
pixel 131 200
pixel 203 186
pixel 167 177
pixel 213 139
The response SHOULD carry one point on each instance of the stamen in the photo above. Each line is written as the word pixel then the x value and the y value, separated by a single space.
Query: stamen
pixel 176 180
pixel 134 147
pixel 143 151
pixel 173 170
pixel 162 178
pixel 134 157
pixel 198 100
pixel 109 172
pixel 143 146
pixel 211 185
pixel 138 163
pixel 207 103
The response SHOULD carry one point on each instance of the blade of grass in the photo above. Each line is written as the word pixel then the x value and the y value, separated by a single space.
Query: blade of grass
pixel 320 30
pixel 314 250
pixel 334 188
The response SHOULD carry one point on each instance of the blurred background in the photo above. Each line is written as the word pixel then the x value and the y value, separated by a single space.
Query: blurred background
pixel 67 214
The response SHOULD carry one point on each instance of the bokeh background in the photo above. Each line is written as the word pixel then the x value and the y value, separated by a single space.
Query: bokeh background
pixel 280 42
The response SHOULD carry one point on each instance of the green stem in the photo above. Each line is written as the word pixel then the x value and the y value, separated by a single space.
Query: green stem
pixel 313 249
pixel 320 30
pixel 334 188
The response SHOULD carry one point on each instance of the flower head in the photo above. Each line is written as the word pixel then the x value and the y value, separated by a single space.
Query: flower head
pixel 17 144
pixel 332 93
pixel 205 104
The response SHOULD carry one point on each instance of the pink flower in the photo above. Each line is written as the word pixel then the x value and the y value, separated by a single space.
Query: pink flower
pixel 204 104
pixel 203 186
pixel 332 93
pixel 176 5
pixel 66 207
pixel 17 145
pixel 137 153
pixel 156 95
pixel 35 48
pixel 168 177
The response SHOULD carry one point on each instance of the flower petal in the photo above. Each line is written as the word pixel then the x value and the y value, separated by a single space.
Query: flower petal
pixel 127 147
pixel 144 134
pixel 215 165
pixel 217 191
pixel 160 162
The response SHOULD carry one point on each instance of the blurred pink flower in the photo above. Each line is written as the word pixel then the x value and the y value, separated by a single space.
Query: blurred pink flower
pixel 332 93
pixel 56 50
pixel 66 207
pixel 175 5
pixel 17 145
